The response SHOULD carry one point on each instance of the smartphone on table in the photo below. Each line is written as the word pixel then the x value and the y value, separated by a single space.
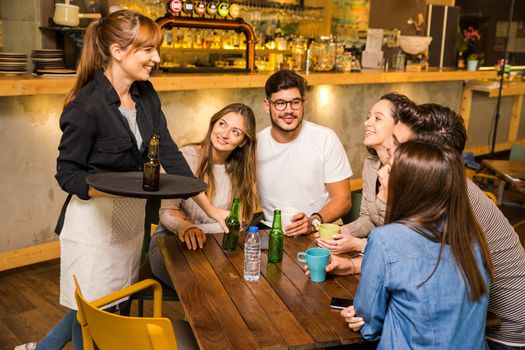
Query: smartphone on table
pixel 340 303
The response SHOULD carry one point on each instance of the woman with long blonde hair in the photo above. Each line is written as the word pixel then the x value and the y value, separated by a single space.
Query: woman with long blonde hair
pixel 225 160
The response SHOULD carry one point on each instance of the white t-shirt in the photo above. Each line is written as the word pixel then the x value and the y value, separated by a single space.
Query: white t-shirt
pixel 295 174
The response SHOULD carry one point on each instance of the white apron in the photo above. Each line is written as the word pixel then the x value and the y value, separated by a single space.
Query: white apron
pixel 101 244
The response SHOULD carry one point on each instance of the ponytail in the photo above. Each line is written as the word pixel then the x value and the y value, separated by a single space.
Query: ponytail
pixel 124 28
pixel 93 59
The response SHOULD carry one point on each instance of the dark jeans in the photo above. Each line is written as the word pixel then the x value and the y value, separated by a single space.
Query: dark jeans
pixel 498 346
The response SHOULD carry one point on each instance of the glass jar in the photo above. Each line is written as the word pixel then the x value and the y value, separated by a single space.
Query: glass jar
pixel 298 53
pixel 323 52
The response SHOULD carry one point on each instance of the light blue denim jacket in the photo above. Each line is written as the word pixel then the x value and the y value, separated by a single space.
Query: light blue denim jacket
pixel 435 315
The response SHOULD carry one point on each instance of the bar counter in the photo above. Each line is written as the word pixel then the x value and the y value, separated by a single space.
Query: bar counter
pixel 32 85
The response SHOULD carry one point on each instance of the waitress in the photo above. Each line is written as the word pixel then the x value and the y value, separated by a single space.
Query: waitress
pixel 109 117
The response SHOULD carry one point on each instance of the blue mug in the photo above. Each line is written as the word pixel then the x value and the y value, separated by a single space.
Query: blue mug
pixel 316 259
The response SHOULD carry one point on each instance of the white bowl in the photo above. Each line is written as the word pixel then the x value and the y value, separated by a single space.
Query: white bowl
pixel 414 45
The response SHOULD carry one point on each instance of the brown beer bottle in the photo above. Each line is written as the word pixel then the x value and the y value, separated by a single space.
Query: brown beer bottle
pixel 150 180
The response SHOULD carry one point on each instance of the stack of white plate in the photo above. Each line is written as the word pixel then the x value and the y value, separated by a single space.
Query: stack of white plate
pixel 48 59
pixel 13 63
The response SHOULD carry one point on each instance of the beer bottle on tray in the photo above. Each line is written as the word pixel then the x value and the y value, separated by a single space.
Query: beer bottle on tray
pixel 151 177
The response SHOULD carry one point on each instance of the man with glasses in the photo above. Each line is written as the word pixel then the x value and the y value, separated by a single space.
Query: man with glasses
pixel 300 164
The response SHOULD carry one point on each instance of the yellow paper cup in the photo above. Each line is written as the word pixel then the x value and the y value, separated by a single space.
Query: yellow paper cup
pixel 327 231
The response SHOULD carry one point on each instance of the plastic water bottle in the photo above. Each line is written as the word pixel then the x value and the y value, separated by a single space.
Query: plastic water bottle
pixel 252 254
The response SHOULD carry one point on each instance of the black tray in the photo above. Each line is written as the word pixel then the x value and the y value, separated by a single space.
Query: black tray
pixel 129 184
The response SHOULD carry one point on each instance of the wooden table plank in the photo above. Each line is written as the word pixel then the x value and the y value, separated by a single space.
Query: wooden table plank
pixel 222 306
pixel 315 295
pixel 331 289
pixel 288 326
pixel 255 317
pixel 284 309
pixel 318 294
pixel 201 315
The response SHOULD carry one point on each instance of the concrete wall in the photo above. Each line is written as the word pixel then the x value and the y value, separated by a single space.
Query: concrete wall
pixel 20 22
pixel 29 135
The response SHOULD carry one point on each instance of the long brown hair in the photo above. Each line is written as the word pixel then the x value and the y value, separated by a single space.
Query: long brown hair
pixel 427 192
pixel 124 28
pixel 240 164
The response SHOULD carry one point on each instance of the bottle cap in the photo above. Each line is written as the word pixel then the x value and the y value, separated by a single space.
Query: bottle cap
pixel 253 229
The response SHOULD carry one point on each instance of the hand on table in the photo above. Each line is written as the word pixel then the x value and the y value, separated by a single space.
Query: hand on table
pixel 300 225
pixel 193 237
pixel 342 243
pixel 354 322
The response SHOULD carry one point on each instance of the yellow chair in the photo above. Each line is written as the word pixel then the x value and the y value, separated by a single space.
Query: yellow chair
pixel 471 174
pixel 115 332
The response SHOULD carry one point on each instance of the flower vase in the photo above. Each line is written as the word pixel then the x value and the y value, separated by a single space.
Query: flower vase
pixel 472 65
pixel 461 61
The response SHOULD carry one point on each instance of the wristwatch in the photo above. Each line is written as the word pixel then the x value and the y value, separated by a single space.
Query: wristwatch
pixel 316 223
pixel 316 220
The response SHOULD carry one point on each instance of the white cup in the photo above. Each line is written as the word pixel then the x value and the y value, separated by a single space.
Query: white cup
pixel 286 215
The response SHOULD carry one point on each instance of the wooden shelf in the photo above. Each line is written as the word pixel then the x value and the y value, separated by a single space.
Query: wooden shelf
pixel 27 84
pixel 221 51
pixel 509 89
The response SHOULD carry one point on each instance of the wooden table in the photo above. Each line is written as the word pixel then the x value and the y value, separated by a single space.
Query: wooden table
pixel 283 310
pixel 508 171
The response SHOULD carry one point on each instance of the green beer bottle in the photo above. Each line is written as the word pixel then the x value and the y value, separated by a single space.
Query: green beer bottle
pixel 229 241
pixel 276 239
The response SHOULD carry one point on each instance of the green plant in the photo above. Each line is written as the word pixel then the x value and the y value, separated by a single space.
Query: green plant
pixel 473 57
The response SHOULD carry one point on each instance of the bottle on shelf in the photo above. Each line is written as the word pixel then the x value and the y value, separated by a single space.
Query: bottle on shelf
pixel 151 174
pixel 187 7
pixel 235 10
pixel 252 254
pixel 212 8
pixel 229 240
pixel 199 7
pixel 224 9
pixel 276 239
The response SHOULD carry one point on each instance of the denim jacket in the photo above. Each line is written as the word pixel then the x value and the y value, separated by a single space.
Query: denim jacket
pixel 402 312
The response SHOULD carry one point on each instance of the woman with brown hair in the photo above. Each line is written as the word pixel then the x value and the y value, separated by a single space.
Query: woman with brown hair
pixel 426 274
pixel 378 127
pixel 225 160
pixel 108 119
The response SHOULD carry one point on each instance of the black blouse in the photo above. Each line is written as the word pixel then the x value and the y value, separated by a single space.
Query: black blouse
pixel 96 137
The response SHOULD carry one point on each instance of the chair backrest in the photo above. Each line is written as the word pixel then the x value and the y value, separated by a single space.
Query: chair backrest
pixel 353 214
pixel 517 153
pixel 115 332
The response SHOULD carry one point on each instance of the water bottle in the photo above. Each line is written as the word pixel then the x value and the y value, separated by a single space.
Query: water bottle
pixel 252 254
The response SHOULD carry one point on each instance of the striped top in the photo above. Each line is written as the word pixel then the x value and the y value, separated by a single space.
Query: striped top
pixel 507 291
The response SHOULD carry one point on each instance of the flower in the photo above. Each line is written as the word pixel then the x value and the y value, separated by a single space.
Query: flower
pixel 467 41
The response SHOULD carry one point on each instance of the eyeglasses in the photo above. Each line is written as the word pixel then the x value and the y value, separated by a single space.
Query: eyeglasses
pixel 281 105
